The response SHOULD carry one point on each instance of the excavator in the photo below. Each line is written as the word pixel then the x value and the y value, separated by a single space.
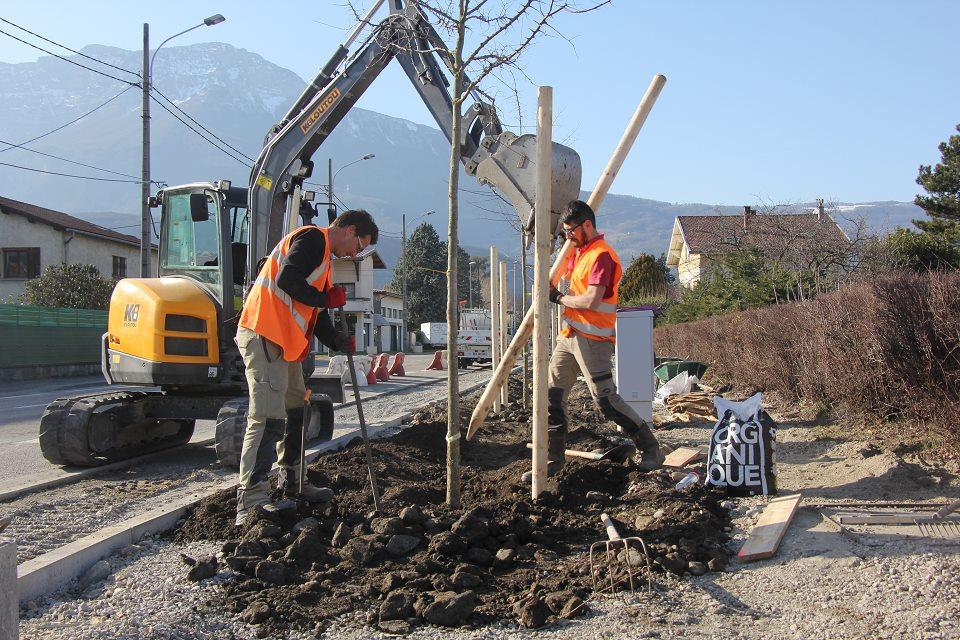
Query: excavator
pixel 174 334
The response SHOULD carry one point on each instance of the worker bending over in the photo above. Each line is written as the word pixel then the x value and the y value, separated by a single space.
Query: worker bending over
pixel 286 306
pixel 587 340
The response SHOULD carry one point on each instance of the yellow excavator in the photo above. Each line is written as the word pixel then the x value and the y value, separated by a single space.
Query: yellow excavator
pixel 176 331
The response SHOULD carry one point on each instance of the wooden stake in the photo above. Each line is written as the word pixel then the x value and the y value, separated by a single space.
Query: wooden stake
pixel 504 293
pixel 501 373
pixel 541 287
pixel 495 319
pixel 523 311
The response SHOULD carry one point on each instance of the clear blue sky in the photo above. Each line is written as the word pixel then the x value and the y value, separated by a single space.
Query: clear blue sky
pixel 774 100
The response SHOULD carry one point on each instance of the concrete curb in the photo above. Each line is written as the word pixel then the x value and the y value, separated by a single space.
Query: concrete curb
pixel 52 571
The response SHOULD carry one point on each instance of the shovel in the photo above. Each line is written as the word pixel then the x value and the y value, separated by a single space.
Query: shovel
pixel 374 485
pixel 620 453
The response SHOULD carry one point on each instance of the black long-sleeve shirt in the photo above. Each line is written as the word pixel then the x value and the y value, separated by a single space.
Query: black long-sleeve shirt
pixel 305 255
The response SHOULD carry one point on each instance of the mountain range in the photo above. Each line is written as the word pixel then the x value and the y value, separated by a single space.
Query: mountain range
pixel 238 95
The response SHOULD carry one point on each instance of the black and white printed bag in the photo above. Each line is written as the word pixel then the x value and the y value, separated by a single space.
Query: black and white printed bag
pixel 742 449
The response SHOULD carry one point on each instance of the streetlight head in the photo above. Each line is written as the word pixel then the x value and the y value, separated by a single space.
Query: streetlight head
pixel 472 263
pixel 214 19
pixel 369 156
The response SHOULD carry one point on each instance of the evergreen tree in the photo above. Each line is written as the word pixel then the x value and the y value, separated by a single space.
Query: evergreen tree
pixel 425 263
pixel 75 286
pixel 646 277
pixel 942 183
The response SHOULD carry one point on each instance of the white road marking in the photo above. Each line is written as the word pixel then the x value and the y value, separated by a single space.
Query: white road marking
pixel 31 406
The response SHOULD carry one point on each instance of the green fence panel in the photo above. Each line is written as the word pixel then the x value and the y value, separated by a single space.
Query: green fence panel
pixel 50 335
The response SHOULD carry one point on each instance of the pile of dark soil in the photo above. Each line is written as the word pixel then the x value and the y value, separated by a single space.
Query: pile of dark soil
pixel 502 556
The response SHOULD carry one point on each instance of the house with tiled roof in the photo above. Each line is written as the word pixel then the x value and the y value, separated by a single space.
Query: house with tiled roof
pixel 33 238
pixel 796 240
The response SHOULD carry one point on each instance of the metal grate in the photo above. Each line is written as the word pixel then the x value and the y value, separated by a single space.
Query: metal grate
pixel 176 322
pixel 185 346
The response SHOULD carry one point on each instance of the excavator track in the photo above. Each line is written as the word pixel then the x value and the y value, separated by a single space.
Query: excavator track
pixel 90 431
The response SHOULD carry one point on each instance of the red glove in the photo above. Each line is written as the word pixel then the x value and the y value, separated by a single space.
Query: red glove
pixel 336 297
pixel 344 343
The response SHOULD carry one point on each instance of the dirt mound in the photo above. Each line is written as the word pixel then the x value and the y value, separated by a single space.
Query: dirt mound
pixel 502 557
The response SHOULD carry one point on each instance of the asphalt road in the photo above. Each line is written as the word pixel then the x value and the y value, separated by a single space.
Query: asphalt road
pixel 23 403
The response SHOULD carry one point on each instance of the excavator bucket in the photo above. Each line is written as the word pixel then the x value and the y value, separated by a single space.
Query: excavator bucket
pixel 510 166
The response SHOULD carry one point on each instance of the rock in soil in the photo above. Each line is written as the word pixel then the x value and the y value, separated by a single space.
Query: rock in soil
pixel 418 559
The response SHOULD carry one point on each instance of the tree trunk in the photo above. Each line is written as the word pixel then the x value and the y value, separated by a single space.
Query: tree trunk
pixel 453 391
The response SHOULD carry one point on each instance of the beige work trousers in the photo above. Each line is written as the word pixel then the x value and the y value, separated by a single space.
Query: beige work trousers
pixel 275 386
pixel 575 355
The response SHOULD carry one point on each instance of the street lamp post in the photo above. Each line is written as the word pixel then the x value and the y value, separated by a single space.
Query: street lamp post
pixel 406 267
pixel 147 80
pixel 331 208
pixel 470 282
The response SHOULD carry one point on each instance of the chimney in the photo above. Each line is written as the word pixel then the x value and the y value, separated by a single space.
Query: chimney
pixel 819 209
pixel 747 214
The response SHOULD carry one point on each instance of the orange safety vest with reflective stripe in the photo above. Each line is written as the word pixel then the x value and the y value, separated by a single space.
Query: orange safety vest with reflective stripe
pixel 600 323
pixel 272 313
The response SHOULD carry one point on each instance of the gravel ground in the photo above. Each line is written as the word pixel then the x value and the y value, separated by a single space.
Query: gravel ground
pixel 821 584
pixel 49 519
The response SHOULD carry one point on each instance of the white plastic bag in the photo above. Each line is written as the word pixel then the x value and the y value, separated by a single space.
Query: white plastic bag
pixel 678 385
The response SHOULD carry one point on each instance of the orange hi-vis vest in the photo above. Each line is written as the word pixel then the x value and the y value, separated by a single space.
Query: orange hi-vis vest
pixel 600 323
pixel 272 313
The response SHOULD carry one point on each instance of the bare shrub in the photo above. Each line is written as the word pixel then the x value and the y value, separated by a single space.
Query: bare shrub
pixel 888 347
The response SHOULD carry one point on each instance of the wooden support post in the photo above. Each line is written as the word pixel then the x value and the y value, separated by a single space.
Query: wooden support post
pixel 492 391
pixel 504 305
pixel 523 312
pixel 495 318
pixel 541 288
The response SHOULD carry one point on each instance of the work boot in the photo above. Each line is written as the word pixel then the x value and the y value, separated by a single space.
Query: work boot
pixel 288 481
pixel 650 456
pixel 556 445
pixel 249 499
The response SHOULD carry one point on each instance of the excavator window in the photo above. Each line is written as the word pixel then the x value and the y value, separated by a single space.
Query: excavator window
pixel 190 242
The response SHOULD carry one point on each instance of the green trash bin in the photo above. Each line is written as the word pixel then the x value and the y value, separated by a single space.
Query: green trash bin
pixel 671 369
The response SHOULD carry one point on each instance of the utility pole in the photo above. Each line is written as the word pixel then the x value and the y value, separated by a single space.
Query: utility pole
pixel 145 241
pixel 403 256
pixel 331 208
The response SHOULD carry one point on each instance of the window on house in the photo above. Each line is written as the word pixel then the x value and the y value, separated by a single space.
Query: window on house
pixel 21 262
pixel 119 267
pixel 351 288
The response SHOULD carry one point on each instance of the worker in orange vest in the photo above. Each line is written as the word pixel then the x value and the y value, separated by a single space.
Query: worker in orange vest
pixel 285 307
pixel 586 344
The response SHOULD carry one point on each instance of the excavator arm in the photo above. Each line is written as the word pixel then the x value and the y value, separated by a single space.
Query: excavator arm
pixel 495 157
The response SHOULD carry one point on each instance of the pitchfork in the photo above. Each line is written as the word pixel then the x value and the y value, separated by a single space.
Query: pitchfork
pixel 617 556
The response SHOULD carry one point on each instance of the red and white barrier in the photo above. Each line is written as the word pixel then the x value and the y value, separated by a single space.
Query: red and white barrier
pixel 439 362
pixel 396 369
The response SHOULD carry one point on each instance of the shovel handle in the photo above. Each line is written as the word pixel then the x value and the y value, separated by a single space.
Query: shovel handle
pixel 573 453
pixel 612 532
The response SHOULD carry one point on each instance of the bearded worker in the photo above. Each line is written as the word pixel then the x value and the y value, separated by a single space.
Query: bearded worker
pixel 286 306
pixel 587 340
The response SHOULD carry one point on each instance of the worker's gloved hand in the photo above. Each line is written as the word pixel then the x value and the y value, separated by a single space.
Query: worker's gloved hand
pixel 344 343
pixel 555 295
pixel 336 297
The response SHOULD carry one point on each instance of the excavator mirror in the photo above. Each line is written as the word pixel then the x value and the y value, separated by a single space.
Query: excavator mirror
pixel 198 207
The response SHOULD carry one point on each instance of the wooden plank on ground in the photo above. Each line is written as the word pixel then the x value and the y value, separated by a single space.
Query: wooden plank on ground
pixel 771 527
pixel 892 518
pixel 681 457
